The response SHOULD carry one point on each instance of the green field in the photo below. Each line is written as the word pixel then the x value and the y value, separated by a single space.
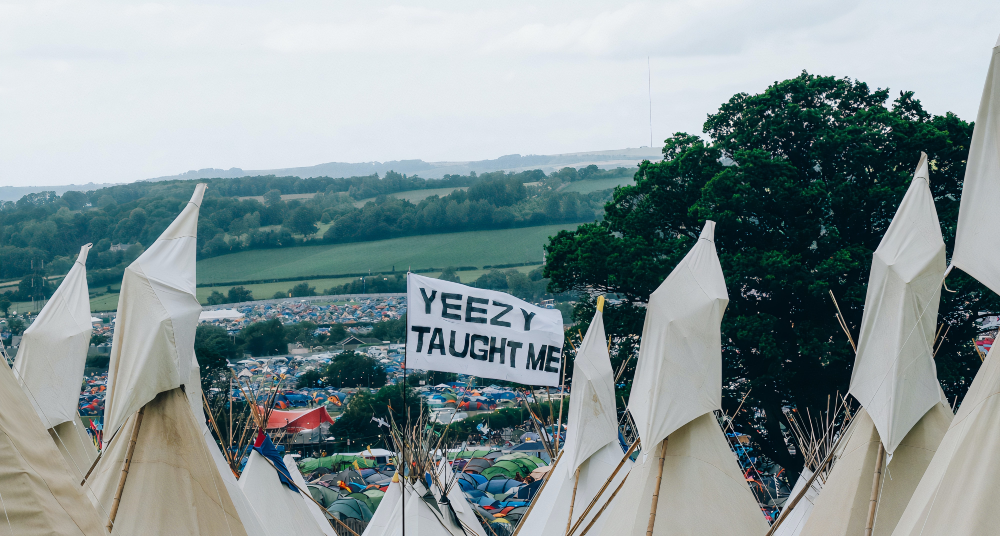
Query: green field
pixel 264 291
pixel 585 187
pixel 474 248
pixel 415 196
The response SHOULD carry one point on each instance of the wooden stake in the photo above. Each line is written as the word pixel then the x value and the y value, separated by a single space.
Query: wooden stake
pixel 537 494
pixel 656 490
pixel 572 501
pixel 876 485
pixel 125 467
pixel 604 487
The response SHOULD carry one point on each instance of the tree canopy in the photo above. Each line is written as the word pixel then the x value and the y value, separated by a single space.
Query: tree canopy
pixel 802 179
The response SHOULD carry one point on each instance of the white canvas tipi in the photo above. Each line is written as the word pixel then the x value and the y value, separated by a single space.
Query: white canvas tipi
pixel 172 485
pixel 956 495
pixel 50 363
pixel 591 443
pixel 282 510
pixel 39 494
pixel 315 511
pixel 894 377
pixel 678 385
pixel 981 189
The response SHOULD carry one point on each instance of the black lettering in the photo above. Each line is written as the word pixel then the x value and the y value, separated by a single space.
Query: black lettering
pixel 420 335
pixel 451 347
pixel 514 346
pixel 495 321
pixel 527 319
pixel 445 306
pixel 470 309
pixel 437 341
pixel 535 362
pixel 494 349
pixel 553 358
pixel 428 300
pixel 480 355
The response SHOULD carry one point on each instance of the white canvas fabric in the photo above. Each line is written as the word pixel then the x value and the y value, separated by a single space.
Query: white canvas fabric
pixel 282 510
pixel 592 410
pixel 53 352
pixel 792 526
pixel 251 523
pixel 702 492
pixel 173 486
pixel 894 375
pixel 39 494
pixel 76 446
pixel 678 375
pixel 957 494
pixel 842 507
pixel 153 344
pixel 551 511
pixel 459 502
pixel 981 189
pixel 317 514
pixel 385 516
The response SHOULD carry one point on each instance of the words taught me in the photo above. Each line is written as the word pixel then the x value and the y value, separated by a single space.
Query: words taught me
pixel 473 310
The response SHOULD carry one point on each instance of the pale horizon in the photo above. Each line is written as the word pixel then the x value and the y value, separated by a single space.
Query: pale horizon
pixel 106 91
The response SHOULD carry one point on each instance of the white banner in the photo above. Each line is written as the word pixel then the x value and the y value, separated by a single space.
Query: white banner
pixel 452 327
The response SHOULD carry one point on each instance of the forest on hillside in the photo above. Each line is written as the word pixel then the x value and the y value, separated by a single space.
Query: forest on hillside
pixel 41 233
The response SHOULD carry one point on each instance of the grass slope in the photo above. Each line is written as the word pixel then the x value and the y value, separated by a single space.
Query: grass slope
pixel 585 187
pixel 472 248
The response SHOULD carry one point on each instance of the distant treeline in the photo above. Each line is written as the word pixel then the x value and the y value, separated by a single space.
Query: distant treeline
pixel 42 232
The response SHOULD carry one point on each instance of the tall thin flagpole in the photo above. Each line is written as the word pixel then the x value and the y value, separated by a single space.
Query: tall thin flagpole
pixel 402 455
pixel 649 89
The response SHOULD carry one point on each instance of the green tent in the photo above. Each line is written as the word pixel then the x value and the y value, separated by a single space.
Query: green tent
pixel 505 468
pixel 365 499
pixel 337 462
pixel 323 495
pixel 350 507
pixel 376 497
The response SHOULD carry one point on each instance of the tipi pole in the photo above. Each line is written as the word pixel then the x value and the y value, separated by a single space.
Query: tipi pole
pixel 802 492
pixel 656 490
pixel 572 501
pixel 125 467
pixel 876 484
pixel 604 487
pixel 606 503
pixel 535 498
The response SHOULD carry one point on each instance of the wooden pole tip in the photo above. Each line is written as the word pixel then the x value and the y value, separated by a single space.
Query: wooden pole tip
pixel 600 303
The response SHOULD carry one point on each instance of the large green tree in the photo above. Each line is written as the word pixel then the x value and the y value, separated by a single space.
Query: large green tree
pixel 802 179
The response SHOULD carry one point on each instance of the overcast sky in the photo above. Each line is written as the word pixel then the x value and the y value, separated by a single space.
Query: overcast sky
pixel 115 91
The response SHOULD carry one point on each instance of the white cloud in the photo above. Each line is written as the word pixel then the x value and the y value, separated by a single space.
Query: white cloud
pixel 106 90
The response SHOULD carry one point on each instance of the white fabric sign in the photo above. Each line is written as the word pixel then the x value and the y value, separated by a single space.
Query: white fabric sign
pixel 456 328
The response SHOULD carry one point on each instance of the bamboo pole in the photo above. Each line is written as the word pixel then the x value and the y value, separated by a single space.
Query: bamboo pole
pixel 843 322
pixel 572 501
pixel 876 485
pixel 604 487
pixel 656 490
pixel 802 492
pixel 125 467
pixel 98 458
pixel 535 498
pixel 601 511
